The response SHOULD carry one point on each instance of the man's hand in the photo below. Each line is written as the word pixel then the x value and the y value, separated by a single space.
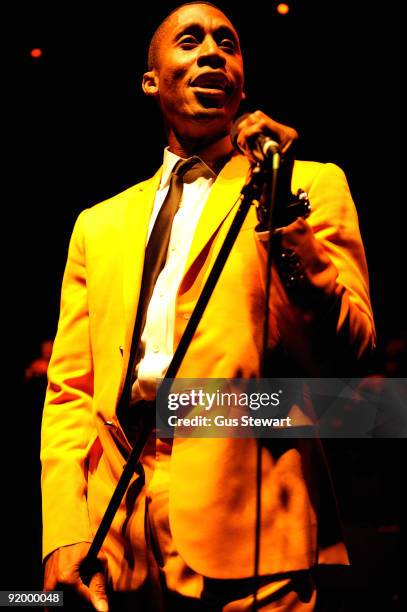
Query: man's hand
pixel 259 123
pixel 62 568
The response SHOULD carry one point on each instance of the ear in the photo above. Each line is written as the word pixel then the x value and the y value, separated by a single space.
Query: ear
pixel 150 83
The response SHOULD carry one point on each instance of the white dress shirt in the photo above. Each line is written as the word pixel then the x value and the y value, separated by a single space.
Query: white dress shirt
pixel 157 340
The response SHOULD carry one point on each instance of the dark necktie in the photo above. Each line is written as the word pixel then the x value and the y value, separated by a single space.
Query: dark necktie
pixel 157 247
pixel 156 250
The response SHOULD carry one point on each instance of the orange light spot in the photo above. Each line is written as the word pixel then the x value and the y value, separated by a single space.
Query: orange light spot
pixel 283 8
pixel 36 53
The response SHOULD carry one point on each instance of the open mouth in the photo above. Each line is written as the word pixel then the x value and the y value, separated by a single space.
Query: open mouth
pixel 211 84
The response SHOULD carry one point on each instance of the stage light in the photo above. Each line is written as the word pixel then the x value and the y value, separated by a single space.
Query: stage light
pixel 283 8
pixel 36 53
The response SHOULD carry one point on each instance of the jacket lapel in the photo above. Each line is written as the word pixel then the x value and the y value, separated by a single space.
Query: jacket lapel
pixel 221 200
pixel 135 233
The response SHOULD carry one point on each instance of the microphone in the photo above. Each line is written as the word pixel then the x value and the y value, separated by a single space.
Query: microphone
pixel 262 146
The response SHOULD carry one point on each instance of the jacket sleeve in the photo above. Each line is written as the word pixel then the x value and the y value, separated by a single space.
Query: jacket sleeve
pixel 320 294
pixel 68 430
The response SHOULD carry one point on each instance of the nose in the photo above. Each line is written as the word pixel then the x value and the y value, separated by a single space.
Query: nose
pixel 210 54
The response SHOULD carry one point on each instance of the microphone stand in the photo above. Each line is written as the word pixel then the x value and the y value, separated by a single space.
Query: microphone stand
pixel 265 214
pixel 268 207
pixel 278 207
pixel 254 192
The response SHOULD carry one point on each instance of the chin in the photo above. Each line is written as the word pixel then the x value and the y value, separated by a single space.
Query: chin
pixel 205 126
pixel 210 114
pixel 210 111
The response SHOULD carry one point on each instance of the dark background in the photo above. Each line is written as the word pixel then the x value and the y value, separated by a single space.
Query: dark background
pixel 82 131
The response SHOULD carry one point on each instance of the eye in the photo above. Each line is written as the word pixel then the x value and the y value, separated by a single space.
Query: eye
pixel 188 42
pixel 228 44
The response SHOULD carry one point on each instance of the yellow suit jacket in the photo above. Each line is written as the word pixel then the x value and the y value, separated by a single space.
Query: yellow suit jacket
pixel 211 480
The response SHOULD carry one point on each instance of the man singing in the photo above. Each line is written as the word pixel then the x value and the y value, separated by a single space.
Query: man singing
pixel 184 535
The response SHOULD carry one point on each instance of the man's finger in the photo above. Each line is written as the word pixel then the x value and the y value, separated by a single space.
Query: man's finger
pixel 85 594
pixel 50 573
pixel 258 122
pixel 98 595
pixel 49 582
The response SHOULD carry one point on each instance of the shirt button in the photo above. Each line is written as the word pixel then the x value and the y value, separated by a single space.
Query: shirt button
pixel 156 348
pixel 161 293
pixel 187 315
pixel 173 248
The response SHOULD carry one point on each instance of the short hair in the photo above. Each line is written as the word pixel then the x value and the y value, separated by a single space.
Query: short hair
pixel 156 39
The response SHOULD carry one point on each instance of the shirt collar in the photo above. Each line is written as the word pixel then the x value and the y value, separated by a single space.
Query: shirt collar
pixel 169 161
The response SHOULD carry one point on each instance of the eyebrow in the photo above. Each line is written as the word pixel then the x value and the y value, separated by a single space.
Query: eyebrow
pixel 196 28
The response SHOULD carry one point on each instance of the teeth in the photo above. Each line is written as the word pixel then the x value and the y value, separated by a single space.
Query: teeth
pixel 209 83
pixel 210 86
